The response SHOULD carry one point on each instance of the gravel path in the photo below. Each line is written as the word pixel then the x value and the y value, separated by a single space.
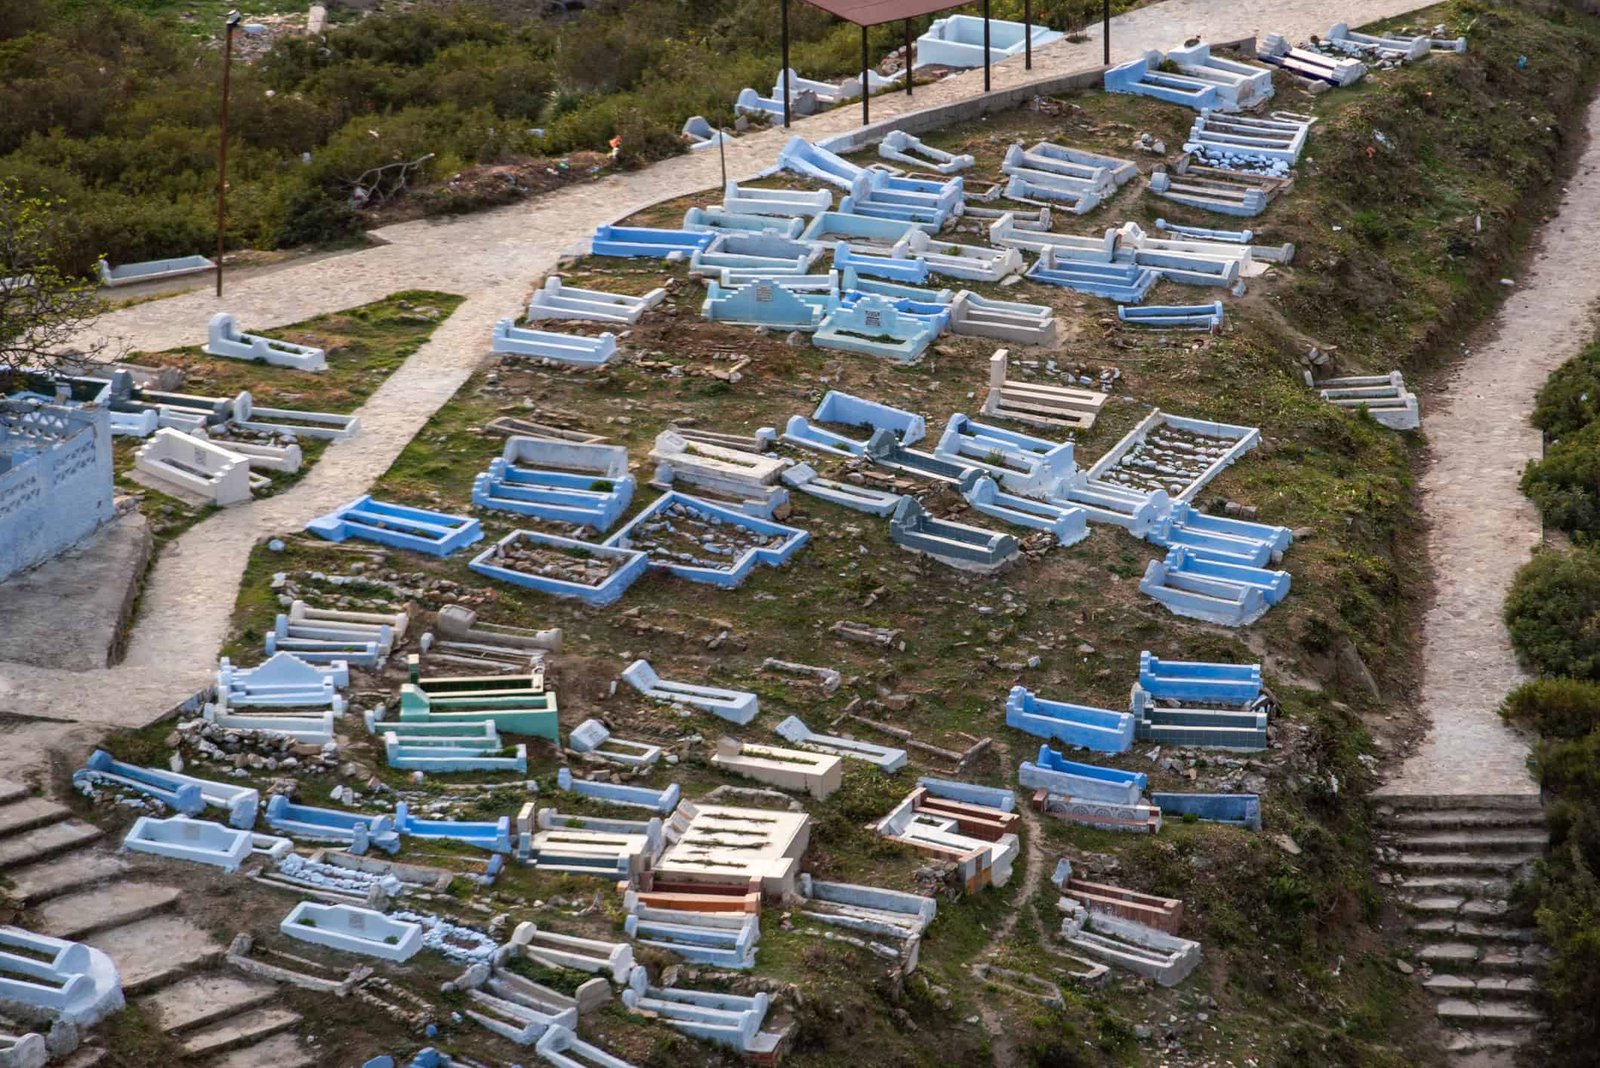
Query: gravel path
pixel 494 258
pixel 1480 526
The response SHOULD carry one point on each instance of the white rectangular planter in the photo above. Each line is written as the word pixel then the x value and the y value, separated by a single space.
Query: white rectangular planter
pixel 885 758
pixel 313 728
pixel 200 841
pixel 353 930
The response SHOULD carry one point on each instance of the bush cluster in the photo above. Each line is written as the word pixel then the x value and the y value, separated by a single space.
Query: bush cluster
pixel 1565 893
pixel 1553 613
pixel 1565 484
pixel 117 113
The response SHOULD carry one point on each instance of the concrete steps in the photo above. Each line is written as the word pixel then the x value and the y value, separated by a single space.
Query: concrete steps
pixel 76 915
pixel 45 842
pixel 205 999
pixel 1492 957
pixel 24 814
pixel 156 952
pixel 282 1050
pixel 1488 886
pixel 1395 803
pixel 1456 857
pixel 1473 931
pixel 1466 863
pixel 76 893
pixel 238 1031
pixel 1464 819
pixel 1476 840
pixel 1498 1012
pixel 1472 908
pixel 1487 986
pixel 40 882
pixel 1474 1041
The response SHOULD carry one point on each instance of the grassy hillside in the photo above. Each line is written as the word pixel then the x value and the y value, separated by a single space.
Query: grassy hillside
pixel 1298 966
pixel 1401 240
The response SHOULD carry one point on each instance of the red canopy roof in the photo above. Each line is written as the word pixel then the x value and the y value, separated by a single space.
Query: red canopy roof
pixel 877 12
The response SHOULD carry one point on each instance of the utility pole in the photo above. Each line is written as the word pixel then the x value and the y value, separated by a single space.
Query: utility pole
pixel 1105 28
pixel 222 145
pixel 783 6
pixel 986 83
pixel 1027 34
pixel 866 91
pixel 908 56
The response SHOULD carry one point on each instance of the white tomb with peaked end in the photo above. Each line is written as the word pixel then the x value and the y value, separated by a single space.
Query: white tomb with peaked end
pixel 224 338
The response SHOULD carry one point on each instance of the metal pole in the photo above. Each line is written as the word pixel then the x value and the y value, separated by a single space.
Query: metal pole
pixel 986 45
pixel 1027 34
pixel 865 89
pixel 1105 28
pixel 908 57
pixel 785 35
pixel 722 155
pixel 222 146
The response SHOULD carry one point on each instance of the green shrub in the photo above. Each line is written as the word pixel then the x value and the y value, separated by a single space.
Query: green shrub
pixel 1569 919
pixel 1570 398
pixel 1556 708
pixel 643 140
pixel 1553 614
pixel 1565 484
pixel 115 113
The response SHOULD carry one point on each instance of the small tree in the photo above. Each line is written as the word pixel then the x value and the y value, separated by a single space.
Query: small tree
pixel 42 310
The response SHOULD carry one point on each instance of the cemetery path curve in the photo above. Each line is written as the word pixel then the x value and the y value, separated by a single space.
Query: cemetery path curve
pixel 1481 528
pixel 494 259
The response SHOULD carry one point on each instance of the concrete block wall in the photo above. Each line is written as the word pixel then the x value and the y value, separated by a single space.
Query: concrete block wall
pixel 55 480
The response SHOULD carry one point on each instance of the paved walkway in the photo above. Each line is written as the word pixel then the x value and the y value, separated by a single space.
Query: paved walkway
pixel 495 258
pixel 1480 526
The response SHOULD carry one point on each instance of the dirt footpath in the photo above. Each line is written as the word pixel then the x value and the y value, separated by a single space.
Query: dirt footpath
pixel 1481 527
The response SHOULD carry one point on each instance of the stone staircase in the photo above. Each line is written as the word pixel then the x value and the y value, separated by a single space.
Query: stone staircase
pixel 1454 858
pixel 72 884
